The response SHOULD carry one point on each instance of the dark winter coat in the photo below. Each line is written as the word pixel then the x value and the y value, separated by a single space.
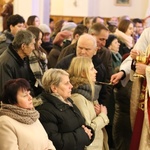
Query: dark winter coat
pixel 67 51
pixel 12 67
pixel 53 55
pixel 62 123
pixel 47 46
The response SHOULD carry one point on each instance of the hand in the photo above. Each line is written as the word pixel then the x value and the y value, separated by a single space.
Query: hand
pixel 97 108
pixel 115 78
pixel 87 131
pixel 140 68
pixel 134 53
pixel 103 109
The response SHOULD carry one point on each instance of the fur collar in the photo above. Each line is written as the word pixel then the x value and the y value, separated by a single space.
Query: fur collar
pixel 81 86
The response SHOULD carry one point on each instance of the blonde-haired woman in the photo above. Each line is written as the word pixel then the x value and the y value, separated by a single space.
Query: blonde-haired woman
pixel 61 119
pixel 85 94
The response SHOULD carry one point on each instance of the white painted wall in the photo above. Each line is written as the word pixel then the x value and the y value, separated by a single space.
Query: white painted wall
pixel 138 8
pixel 104 8
pixel 26 8
pixel 57 7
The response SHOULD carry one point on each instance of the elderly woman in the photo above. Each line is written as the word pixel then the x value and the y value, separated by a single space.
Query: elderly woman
pixel 85 94
pixel 61 119
pixel 20 128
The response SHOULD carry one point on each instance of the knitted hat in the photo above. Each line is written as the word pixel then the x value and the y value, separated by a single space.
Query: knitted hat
pixel 110 40
pixel 62 36
pixel 68 26
pixel 44 28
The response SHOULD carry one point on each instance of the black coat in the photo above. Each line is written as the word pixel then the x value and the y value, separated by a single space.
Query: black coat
pixel 63 123
pixel 67 51
pixel 13 67
pixel 53 55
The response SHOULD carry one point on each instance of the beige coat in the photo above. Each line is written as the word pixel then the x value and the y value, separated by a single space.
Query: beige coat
pixel 96 122
pixel 18 136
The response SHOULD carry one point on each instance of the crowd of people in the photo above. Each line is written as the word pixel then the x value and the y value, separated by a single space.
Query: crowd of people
pixel 71 85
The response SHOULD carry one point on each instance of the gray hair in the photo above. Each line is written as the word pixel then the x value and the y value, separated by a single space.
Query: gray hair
pixel 52 77
pixel 22 37
pixel 87 37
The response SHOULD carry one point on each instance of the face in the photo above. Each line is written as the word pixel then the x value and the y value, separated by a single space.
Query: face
pixel 130 30
pixel 39 42
pixel 138 28
pixel 90 23
pixel 36 21
pixel 24 99
pixel 114 45
pixel 46 37
pixel 52 25
pixel 85 48
pixel 101 38
pixel 92 72
pixel 16 28
pixel 64 87
pixel 27 49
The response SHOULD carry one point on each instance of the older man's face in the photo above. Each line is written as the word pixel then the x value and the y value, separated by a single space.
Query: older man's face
pixel 27 49
pixel 101 38
pixel 86 48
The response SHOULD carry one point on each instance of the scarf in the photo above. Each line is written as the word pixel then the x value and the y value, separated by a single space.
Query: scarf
pixel 26 116
pixel 38 64
pixel 86 91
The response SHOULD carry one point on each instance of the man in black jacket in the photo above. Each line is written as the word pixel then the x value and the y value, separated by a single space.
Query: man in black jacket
pixel 14 61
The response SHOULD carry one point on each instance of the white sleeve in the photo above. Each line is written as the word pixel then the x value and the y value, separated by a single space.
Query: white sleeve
pixel 126 66
pixel 141 44
pixel 143 41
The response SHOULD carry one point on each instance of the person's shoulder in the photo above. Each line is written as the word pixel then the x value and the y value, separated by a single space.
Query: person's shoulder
pixel 106 50
pixel 69 56
pixel 5 56
pixel 2 38
pixel 41 102
pixel 102 52
pixel 67 59
pixel 146 31
pixel 7 53
pixel 4 119
pixel 45 108
pixel 76 97
pixel 71 46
